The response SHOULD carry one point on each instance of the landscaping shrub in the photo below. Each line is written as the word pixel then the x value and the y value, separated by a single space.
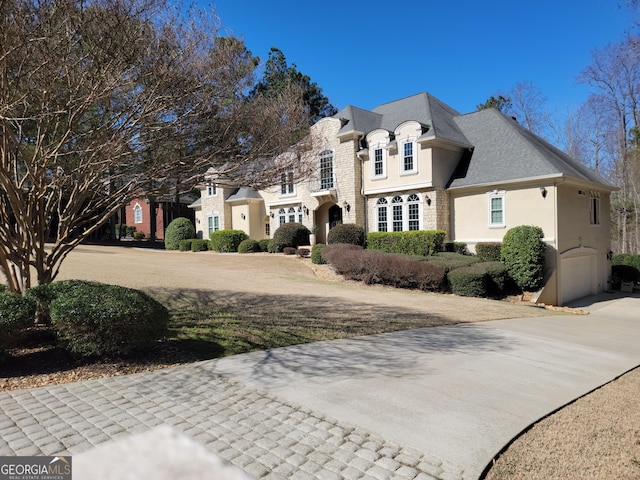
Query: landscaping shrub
pixel 347 233
pixel 488 251
pixel 449 261
pixel 185 245
pixel 316 254
pixel 199 245
pixel 479 280
pixel 226 240
pixel 91 318
pixel 264 244
pixel 290 235
pixel 17 312
pixel 179 229
pixel 138 235
pixel 289 250
pixel 382 268
pixel 248 246
pixel 303 252
pixel 624 273
pixel 456 247
pixel 418 242
pixel 272 247
pixel 522 253
pixel 626 259
pixel 130 230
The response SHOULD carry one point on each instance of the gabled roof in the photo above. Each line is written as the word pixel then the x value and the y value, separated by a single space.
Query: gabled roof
pixel 505 151
pixel 436 117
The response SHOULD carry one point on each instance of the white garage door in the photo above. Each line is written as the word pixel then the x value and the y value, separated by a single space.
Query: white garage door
pixel 578 275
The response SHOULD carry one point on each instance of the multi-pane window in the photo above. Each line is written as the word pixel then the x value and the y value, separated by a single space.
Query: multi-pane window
pixel 211 190
pixel 137 213
pixel 267 229
pixel 326 170
pixel 292 214
pixel 213 223
pixel 594 210
pixel 397 207
pixel 407 158
pixel 496 210
pixel 413 203
pixel 282 216
pixel 382 214
pixel 378 162
pixel 286 183
pixel 299 214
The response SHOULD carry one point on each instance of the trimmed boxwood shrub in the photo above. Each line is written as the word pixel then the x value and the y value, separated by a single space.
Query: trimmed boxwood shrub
pixel 488 251
pixel 479 280
pixel 185 245
pixel 316 254
pixel 417 242
pixel 290 235
pixel 272 247
pixel 347 233
pixel 249 246
pixel 139 235
pixel 17 312
pixel 179 229
pixel 449 261
pixel 226 240
pixel 456 247
pixel 522 253
pixel 199 245
pixel 264 244
pixel 92 318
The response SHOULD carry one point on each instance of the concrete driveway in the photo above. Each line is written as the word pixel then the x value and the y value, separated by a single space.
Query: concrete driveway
pixel 458 392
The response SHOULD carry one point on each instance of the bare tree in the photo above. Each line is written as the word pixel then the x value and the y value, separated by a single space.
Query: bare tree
pixel 527 105
pixel 615 75
pixel 101 98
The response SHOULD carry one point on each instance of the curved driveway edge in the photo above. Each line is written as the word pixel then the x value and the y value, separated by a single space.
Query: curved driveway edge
pixel 458 392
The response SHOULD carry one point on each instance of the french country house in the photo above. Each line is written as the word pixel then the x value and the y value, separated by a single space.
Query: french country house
pixel 417 164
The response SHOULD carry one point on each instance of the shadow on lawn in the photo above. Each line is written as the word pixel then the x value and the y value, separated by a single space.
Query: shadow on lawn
pixel 244 322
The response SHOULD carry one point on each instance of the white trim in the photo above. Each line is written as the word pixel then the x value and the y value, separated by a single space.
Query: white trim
pixel 501 194
pixel 372 159
pixel 286 201
pixel 401 157
pixel 396 188
pixel 137 211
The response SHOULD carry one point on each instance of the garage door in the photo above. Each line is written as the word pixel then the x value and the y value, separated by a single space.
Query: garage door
pixel 578 274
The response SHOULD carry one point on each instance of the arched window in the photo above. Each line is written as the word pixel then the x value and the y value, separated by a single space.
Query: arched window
pixel 381 206
pixel 282 216
pixel 137 213
pixel 292 214
pixel 397 204
pixel 299 214
pixel 413 202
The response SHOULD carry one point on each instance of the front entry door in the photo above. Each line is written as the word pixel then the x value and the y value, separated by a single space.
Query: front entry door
pixel 335 216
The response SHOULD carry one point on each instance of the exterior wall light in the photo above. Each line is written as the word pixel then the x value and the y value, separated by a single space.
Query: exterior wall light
pixel 543 192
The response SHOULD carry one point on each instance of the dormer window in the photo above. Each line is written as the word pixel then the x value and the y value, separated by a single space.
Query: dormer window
pixel 211 190
pixel 408 160
pixel 379 164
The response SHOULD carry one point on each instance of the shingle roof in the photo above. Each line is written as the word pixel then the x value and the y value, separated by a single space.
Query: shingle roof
pixel 244 193
pixel 504 151
pixel 434 115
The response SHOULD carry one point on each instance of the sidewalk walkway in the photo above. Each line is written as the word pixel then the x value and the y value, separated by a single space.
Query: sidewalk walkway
pixel 430 403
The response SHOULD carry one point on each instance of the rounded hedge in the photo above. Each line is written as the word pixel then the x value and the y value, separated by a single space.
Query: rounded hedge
pixel 179 229
pixel 249 246
pixel 522 252
pixel 185 245
pixel 199 245
pixel 264 244
pixel 92 318
pixel 488 251
pixel 290 235
pixel 486 279
pixel 226 241
pixel 17 312
pixel 347 233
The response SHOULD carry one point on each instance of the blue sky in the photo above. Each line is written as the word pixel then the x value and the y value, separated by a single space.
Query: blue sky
pixel 365 53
